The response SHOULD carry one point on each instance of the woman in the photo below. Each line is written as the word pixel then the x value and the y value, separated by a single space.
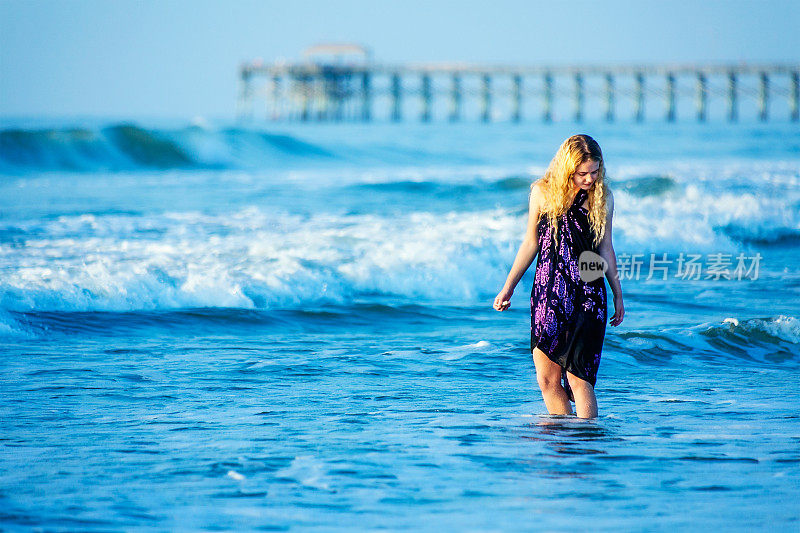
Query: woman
pixel 570 212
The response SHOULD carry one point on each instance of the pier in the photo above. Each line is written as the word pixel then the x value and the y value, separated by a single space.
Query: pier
pixel 341 82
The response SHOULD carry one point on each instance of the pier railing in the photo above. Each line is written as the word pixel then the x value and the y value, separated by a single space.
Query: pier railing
pixel 454 92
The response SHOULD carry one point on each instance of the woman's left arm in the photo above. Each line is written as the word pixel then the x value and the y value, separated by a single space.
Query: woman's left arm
pixel 606 250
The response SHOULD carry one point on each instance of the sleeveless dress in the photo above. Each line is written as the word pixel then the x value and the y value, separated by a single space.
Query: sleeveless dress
pixel 568 315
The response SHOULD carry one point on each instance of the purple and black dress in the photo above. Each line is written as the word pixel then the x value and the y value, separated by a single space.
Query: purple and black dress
pixel 568 315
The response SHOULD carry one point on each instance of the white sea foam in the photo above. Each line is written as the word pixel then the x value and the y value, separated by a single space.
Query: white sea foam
pixel 259 257
pixel 233 474
pixel 777 328
pixel 712 205
pixel 783 327
pixel 252 259
pixel 306 470
pixel 459 352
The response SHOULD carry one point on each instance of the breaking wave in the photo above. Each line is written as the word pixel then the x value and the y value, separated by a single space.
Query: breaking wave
pixel 128 146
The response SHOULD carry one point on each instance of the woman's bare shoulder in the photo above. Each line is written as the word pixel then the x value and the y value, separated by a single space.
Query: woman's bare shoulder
pixel 537 193
pixel 609 196
pixel 609 200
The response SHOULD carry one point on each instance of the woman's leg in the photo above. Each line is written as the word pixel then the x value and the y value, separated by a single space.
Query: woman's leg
pixel 548 374
pixel 585 400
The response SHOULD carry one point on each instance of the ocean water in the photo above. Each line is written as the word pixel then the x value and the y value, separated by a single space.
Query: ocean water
pixel 288 326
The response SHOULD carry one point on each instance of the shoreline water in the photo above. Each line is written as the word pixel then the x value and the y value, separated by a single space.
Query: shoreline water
pixel 303 337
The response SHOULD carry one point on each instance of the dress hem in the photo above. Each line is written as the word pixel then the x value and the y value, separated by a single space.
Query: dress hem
pixel 564 368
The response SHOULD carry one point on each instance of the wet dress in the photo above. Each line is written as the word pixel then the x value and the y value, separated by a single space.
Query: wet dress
pixel 568 315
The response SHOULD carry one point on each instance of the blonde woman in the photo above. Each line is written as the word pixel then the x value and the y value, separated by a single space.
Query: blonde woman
pixel 570 212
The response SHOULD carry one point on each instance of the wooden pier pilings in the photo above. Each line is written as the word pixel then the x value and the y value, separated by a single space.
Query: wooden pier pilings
pixel 306 91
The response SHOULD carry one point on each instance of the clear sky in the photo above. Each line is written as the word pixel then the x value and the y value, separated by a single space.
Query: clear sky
pixel 179 58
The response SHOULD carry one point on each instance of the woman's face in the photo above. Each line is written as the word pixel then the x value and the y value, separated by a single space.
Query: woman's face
pixel 586 174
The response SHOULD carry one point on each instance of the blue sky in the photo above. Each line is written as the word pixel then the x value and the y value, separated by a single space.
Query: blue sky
pixel 179 58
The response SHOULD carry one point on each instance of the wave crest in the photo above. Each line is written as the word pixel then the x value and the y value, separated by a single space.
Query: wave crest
pixel 127 146
pixel 765 341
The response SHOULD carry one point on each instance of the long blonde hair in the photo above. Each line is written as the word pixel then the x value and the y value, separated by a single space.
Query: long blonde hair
pixel 556 184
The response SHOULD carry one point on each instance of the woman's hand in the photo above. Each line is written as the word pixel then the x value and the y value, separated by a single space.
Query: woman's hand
pixel 501 302
pixel 619 311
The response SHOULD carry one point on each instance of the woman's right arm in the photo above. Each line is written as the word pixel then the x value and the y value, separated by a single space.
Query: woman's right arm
pixel 526 253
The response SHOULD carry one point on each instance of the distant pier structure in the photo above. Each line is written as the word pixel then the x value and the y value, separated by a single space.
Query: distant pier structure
pixel 341 82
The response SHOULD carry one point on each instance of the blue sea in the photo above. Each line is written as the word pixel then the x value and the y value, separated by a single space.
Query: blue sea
pixel 278 326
